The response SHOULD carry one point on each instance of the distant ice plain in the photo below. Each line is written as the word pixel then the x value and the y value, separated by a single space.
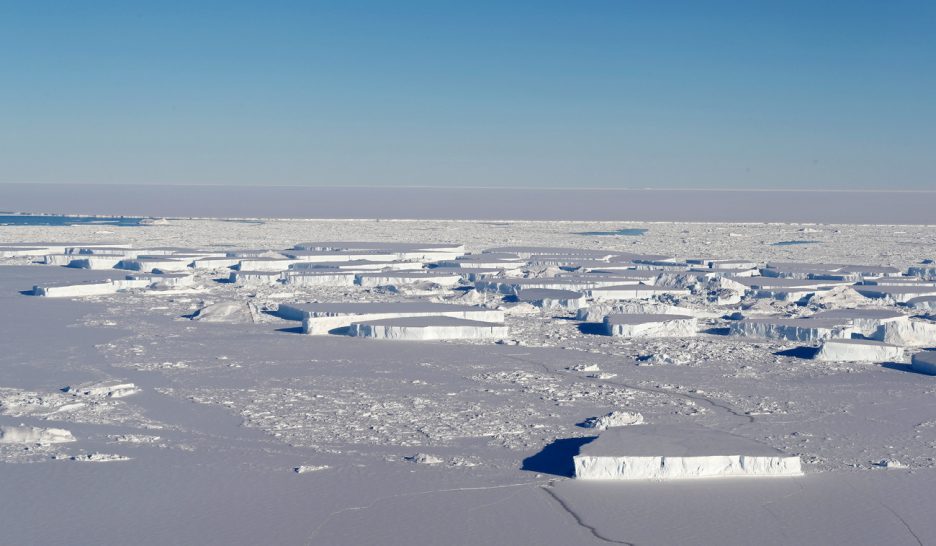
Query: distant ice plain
pixel 667 205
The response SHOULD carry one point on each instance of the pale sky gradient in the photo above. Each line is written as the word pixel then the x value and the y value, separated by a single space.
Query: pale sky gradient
pixel 611 94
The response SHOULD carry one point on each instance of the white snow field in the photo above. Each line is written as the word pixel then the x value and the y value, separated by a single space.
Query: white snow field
pixel 436 404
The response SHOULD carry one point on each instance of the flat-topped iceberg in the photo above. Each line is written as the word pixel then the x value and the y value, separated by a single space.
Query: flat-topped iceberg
pixel 924 362
pixel 391 278
pixel 671 452
pixel 550 298
pixel 105 389
pixel 864 321
pixel 321 318
pixel 896 294
pixel 858 350
pixel 427 328
pixel 650 325
pixel 910 333
pixel 315 277
pixel 34 435
pixel 791 329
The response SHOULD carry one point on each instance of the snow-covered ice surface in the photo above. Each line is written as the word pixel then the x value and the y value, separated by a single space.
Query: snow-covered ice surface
pixel 678 452
pixel 212 420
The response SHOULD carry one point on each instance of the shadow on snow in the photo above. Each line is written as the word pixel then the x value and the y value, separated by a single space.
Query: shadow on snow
pixel 556 458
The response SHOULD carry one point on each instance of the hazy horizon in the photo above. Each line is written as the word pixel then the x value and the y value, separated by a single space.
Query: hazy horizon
pixel 467 203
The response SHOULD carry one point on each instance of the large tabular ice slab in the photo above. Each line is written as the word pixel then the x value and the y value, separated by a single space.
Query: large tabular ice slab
pixel 578 283
pixel 148 264
pixel 255 277
pixel 898 294
pixel 791 329
pixel 107 389
pixel 312 277
pixel 792 295
pixel 832 272
pixel 858 350
pixel 553 299
pixel 70 290
pixel 924 362
pixel 898 281
pixel 526 252
pixel 658 452
pixel 96 261
pixel 265 264
pixel 356 266
pixel 56 259
pixel 864 321
pixel 633 292
pixel 321 318
pixel 472 275
pixel 910 333
pixel 225 311
pixel 784 283
pixel 598 311
pixel 927 271
pixel 503 265
pixel 314 256
pixel 18 252
pixel 163 280
pixel 34 435
pixel 724 264
pixel 88 288
pixel 650 325
pixel 370 280
pixel 215 262
pixel 926 304
pixel 427 328
pixel 402 251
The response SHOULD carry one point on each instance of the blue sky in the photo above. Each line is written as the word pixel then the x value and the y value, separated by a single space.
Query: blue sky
pixel 744 94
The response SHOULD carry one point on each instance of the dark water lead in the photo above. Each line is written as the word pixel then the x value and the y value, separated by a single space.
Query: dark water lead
pixel 628 232
pixel 791 243
pixel 55 220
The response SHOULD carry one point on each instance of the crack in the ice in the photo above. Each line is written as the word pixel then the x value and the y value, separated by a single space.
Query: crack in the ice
pixel 894 513
pixel 901 520
pixel 581 523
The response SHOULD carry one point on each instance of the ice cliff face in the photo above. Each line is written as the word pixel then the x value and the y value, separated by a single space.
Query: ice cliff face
pixel 652 452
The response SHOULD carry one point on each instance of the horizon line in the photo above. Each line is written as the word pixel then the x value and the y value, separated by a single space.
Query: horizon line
pixel 428 187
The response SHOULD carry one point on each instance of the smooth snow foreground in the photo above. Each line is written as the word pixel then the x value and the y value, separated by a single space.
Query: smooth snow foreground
pixel 673 452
